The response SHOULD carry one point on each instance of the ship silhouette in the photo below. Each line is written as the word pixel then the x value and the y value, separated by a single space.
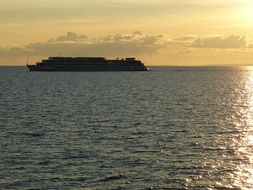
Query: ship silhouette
pixel 88 64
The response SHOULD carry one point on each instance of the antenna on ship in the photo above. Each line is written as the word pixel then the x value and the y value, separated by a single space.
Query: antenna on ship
pixel 27 58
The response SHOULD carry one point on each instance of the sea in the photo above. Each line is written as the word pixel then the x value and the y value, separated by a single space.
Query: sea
pixel 168 128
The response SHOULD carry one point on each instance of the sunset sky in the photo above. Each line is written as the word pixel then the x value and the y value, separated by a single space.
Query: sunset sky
pixel 159 32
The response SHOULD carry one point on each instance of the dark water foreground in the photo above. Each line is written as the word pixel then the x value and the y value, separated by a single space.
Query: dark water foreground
pixel 174 128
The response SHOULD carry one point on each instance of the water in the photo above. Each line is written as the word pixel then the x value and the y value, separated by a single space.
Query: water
pixel 171 128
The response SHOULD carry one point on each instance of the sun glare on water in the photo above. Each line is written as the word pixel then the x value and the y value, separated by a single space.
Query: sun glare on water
pixel 245 170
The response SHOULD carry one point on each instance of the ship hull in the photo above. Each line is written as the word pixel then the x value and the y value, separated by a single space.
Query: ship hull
pixel 83 69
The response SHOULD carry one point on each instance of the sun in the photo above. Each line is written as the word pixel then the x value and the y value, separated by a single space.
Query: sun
pixel 249 9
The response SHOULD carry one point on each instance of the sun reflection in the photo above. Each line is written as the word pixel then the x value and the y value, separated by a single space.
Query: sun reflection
pixel 250 139
pixel 245 172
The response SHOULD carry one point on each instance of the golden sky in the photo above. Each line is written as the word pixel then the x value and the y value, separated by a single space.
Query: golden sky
pixel 159 32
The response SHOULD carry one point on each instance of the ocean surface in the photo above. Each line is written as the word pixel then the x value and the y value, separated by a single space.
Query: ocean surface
pixel 170 128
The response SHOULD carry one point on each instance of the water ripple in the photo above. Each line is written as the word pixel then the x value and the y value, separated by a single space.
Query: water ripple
pixel 165 129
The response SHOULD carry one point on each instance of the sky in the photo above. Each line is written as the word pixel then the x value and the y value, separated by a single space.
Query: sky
pixel 159 32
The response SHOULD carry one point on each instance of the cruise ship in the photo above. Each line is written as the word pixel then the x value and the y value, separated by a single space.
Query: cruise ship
pixel 88 64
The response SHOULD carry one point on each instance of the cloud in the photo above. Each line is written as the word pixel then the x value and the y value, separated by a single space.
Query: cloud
pixel 231 42
pixel 250 46
pixel 121 45
pixel 186 38
pixel 73 44
pixel 70 36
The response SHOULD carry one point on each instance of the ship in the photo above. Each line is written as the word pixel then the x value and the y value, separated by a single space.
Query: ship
pixel 88 64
